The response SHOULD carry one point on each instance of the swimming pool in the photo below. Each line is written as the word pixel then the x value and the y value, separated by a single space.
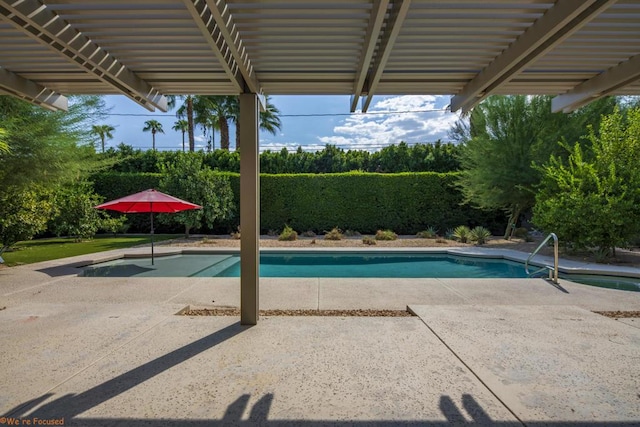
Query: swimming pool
pixel 337 264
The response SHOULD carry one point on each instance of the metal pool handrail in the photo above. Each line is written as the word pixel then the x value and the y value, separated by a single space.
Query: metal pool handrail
pixel 553 270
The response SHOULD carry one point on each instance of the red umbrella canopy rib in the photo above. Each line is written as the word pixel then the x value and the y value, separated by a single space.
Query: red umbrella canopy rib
pixel 148 201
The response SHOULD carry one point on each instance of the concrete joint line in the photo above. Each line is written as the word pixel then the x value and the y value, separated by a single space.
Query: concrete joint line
pixel 318 285
pixel 179 293
pixel 50 282
pixel 473 373
pixel 455 291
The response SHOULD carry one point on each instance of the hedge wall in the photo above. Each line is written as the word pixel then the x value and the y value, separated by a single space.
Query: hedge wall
pixel 365 202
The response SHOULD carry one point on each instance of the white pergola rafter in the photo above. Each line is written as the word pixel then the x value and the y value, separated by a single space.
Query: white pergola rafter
pixel 13 84
pixel 601 85
pixel 564 18
pixel 36 20
pixel 397 15
pixel 378 12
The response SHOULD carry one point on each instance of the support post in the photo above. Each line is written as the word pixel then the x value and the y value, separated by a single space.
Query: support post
pixel 249 210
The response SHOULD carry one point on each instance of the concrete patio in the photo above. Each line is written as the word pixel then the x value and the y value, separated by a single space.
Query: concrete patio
pixel 111 351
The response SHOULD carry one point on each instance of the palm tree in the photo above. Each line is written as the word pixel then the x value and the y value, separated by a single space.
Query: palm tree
pixel 102 131
pixel 154 127
pixel 186 110
pixel 269 119
pixel 181 126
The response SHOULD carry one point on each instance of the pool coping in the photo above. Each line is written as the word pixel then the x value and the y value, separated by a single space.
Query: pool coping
pixel 565 266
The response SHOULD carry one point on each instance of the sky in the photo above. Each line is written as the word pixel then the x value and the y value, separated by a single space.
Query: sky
pixel 307 121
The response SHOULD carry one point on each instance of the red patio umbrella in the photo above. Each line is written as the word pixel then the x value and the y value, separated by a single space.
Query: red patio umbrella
pixel 149 201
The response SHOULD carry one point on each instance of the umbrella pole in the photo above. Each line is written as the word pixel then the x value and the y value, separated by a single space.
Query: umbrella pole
pixel 152 262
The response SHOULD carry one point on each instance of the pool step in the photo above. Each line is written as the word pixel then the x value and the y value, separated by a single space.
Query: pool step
pixel 217 268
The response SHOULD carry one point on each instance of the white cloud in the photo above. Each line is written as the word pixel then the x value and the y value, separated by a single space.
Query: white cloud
pixel 375 130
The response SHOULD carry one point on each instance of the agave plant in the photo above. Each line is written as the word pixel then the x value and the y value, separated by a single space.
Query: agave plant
pixel 462 233
pixel 479 235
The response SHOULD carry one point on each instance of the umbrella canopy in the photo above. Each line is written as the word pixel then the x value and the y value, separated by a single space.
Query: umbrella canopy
pixel 149 201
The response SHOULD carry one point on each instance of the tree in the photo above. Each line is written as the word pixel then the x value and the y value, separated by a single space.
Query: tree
pixel 23 213
pixel 75 215
pixel 102 131
pixel 269 117
pixel 4 147
pixel 507 136
pixel 181 126
pixel 154 127
pixel 187 178
pixel 593 199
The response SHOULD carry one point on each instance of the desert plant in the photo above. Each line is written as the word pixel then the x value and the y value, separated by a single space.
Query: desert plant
pixel 288 233
pixel 449 234
pixel 429 233
pixel 334 234
pixel 368 240
pixel 479 235
pixel 236 235
pixel 461 233
pixel 386 235
pixel 351 233
pixel 308 233
pixel 272 233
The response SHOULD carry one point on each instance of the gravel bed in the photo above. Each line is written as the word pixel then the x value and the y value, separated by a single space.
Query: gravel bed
pixel 338 313
pixel 619 314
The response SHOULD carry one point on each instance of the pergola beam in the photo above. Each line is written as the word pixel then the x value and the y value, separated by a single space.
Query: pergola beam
pixel 563 19
pixel 205 21
pixel 37 21
pixel 376 20
pixel 19 87
pixel 397 16
pixel 601 85
pixel 228 30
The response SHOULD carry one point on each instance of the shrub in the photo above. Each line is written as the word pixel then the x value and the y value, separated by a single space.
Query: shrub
pixel 520 232
pixel 368 240
pixel 449 234
pixel 288 234
pixel 429 233
pixel 479 235
pixel 461 233
pixel 236 234
pixel 351 233
pixel 334 234
pixel 386 235
pixel 309 233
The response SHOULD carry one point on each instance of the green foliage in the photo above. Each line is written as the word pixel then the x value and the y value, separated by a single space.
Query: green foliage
pixel 47 148
pixel 75 214
pixel 462 233
pixel 479 235
pixel 334 234
pixel 593 200
pixel 449 234
pixel 188 179
pixel 38 250
pixel 406 203
pixel 368 240
pixel 520 232
pixel 23 214
pixel 114 224
pixel 4 146
pixel 288 233
pixel 429 233
pixel 386 235
pixel 508 135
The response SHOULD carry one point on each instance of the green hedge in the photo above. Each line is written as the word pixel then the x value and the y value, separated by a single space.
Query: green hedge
pixel 365 202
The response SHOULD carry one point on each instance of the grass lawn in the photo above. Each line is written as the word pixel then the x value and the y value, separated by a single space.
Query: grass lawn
pixel 38 250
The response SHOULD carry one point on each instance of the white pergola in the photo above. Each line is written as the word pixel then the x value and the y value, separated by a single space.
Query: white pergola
pixel 579 50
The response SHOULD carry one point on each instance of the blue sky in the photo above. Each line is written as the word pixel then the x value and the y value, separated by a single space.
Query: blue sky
pixel 307 121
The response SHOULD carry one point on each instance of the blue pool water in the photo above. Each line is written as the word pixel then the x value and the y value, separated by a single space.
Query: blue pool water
pixel 348 265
